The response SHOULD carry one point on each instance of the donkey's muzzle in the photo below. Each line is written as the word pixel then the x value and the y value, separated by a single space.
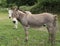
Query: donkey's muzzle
pixel 14 21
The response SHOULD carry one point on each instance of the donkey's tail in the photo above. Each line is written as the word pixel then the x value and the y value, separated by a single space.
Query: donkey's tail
pixel 55 19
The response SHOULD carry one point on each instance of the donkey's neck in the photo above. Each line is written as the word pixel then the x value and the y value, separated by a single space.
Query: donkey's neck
pixel 21 15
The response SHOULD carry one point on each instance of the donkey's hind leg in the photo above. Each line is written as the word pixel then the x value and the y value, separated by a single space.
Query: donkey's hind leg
pixel 51 32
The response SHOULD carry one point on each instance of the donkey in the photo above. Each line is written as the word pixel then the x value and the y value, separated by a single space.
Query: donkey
pixel 36 20
pixel 15 20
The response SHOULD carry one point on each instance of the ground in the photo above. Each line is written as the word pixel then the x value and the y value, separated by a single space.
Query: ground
pixel 15 37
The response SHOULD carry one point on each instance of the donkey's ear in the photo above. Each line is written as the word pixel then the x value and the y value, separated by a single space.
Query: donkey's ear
pixel 15 8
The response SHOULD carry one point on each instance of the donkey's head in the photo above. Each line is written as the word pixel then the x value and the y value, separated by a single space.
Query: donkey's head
pixel 12 12
pixel 17 14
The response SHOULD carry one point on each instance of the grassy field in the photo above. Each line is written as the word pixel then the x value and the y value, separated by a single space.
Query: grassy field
pixel 15 37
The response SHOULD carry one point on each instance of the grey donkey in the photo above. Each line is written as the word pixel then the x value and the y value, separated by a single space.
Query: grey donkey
pixel 36 21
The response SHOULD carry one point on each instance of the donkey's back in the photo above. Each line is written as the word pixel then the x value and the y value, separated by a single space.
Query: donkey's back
pixel 40 19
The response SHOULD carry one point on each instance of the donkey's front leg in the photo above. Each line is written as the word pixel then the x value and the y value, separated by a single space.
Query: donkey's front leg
pixel 26 33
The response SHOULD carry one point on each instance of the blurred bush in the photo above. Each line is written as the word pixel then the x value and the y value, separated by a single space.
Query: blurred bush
pixel 25 8
pixel 52 6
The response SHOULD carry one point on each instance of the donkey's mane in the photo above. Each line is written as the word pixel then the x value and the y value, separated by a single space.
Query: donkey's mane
pixel 22 11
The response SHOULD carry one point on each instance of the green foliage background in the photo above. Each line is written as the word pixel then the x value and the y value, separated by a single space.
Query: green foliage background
pixel 35 6
pixel 52 6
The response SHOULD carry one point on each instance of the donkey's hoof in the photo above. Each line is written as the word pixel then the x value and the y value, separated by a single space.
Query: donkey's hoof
pixel 26 40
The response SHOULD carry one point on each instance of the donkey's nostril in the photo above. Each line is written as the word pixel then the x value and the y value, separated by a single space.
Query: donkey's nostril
pixel 14 21
pixel 9 17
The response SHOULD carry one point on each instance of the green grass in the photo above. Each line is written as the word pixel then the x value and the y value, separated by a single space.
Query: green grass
pixel 15 37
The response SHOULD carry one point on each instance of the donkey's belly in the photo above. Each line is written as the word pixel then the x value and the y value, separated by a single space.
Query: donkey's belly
pixel 36 24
